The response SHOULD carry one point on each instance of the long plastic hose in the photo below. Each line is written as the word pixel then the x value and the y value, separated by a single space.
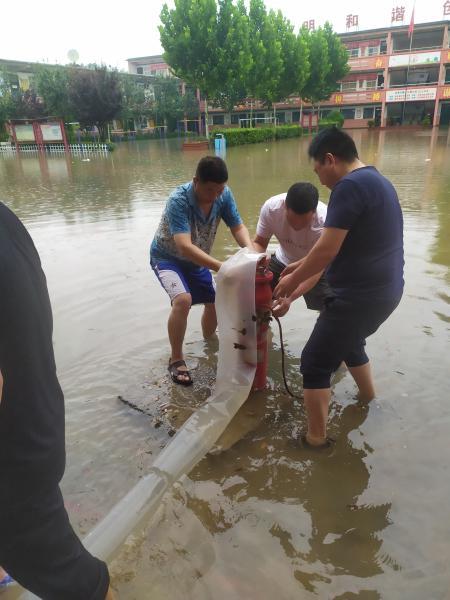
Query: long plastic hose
pixel 235 306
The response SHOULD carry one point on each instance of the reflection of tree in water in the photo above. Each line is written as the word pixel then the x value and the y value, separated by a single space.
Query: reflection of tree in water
pixel 441 197
pixel 94 186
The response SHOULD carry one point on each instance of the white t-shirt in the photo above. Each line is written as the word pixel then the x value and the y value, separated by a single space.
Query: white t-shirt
pixel 293 244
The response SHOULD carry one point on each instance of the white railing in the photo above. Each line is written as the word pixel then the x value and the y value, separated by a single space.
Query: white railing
pixel 7 148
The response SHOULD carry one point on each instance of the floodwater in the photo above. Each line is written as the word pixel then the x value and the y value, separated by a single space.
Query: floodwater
pixel 262 519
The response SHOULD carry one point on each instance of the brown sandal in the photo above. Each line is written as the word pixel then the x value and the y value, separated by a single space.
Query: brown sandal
pixel 175 373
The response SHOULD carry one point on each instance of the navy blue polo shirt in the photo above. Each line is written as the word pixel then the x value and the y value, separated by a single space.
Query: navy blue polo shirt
pixel 370 262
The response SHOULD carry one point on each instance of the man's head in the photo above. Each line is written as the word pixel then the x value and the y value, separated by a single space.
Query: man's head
pixel 210 179
pixel 333 152
pixel 301 204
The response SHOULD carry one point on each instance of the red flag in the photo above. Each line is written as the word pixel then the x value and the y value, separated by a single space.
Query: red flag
pixel 411 25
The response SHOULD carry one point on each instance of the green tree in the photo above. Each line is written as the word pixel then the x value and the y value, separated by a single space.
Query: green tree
pixel 317 86
pixel 137 99
pixel 234 54
pixel 191 107
pixel 5 103
pixel 338 57
pixel 295 59
pixel 169 106
pixel 52 85
pixel 95 97
pixel 189 38
pixel 264 76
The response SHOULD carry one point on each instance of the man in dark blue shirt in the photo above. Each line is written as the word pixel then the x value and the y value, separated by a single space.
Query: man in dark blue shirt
pixel 361 249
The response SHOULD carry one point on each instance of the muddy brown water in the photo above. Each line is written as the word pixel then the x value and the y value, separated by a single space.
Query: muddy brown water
pixel 262 519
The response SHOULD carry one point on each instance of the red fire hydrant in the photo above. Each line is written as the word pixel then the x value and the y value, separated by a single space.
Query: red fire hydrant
pixel 263 302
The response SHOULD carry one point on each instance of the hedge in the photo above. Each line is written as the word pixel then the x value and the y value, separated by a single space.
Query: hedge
pixel 238 136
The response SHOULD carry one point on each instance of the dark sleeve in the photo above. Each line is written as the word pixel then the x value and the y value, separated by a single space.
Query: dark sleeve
pixel 345 207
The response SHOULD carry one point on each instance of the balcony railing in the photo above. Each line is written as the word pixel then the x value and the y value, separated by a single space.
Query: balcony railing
pixel 402 85
pixel 414 49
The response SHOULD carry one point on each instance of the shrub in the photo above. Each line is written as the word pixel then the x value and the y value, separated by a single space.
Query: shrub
pixel 371 123
pixel 336 117
pixel 239 136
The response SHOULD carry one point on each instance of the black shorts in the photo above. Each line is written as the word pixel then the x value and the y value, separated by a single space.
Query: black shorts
pixel 339 335
pixel 40 550
pixel 316 296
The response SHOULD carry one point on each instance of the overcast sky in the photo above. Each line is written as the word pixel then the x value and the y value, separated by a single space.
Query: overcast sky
pixel 45 30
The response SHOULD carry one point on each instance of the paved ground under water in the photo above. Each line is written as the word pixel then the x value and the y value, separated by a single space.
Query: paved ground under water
pixel 262 519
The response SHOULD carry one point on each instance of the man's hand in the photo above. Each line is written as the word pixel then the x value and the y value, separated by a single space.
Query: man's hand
pixel 285 287
pixel 280 307
pixel 290 268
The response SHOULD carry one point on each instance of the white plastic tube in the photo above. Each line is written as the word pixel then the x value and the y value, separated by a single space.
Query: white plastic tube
pixel 235 306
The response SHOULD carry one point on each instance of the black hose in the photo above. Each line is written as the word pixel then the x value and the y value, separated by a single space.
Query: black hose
pixel 283 366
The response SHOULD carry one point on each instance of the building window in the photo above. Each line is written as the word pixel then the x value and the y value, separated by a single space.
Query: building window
pixel 140 70
pixel 368 112
pixel 373 50
pixel 383 47
pixel 353 52
pixel 371 84
pixel 295 116
pixel 447 75
pixel 236 116
pixel 281 117
pixel 348 113
pixel 218 119
pixel 348 86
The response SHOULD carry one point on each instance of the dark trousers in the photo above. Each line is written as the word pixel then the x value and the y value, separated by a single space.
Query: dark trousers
pixel 339 335
pixel 41 551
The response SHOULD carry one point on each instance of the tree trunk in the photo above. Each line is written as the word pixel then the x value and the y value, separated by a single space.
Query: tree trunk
pixel 206 119
pixel 102 131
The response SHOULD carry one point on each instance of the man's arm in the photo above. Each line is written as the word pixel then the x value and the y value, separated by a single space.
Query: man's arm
pixel 281 305
pixel 260 243
pixel 318 258
pixel 187 250
pixel 242 237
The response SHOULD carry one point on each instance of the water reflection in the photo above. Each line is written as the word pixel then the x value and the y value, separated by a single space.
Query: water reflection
pixel 261 519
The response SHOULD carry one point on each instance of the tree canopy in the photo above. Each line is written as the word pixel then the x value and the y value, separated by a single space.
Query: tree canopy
pixel 231 53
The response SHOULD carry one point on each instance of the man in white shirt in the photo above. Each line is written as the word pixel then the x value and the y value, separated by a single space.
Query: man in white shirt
pixel 296 219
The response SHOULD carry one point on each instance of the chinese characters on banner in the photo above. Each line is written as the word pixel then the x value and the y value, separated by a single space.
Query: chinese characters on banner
pixel 447 8
pixel 352 21
pixel 398 14
pixel 311 24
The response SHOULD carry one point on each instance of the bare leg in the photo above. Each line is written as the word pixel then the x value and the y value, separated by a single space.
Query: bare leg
pixel 110 595
pixel 176 327
pixel 209 320
pixel 363 379
pixel 316 404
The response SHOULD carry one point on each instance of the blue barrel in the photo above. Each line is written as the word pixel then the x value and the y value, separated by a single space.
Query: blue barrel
pixel 220 143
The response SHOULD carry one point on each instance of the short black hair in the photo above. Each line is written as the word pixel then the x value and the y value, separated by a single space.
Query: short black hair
pixel 212 168
pixel 333 141
pixel 302 197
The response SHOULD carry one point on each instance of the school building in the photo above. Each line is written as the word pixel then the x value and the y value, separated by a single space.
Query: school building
pixel 394 79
